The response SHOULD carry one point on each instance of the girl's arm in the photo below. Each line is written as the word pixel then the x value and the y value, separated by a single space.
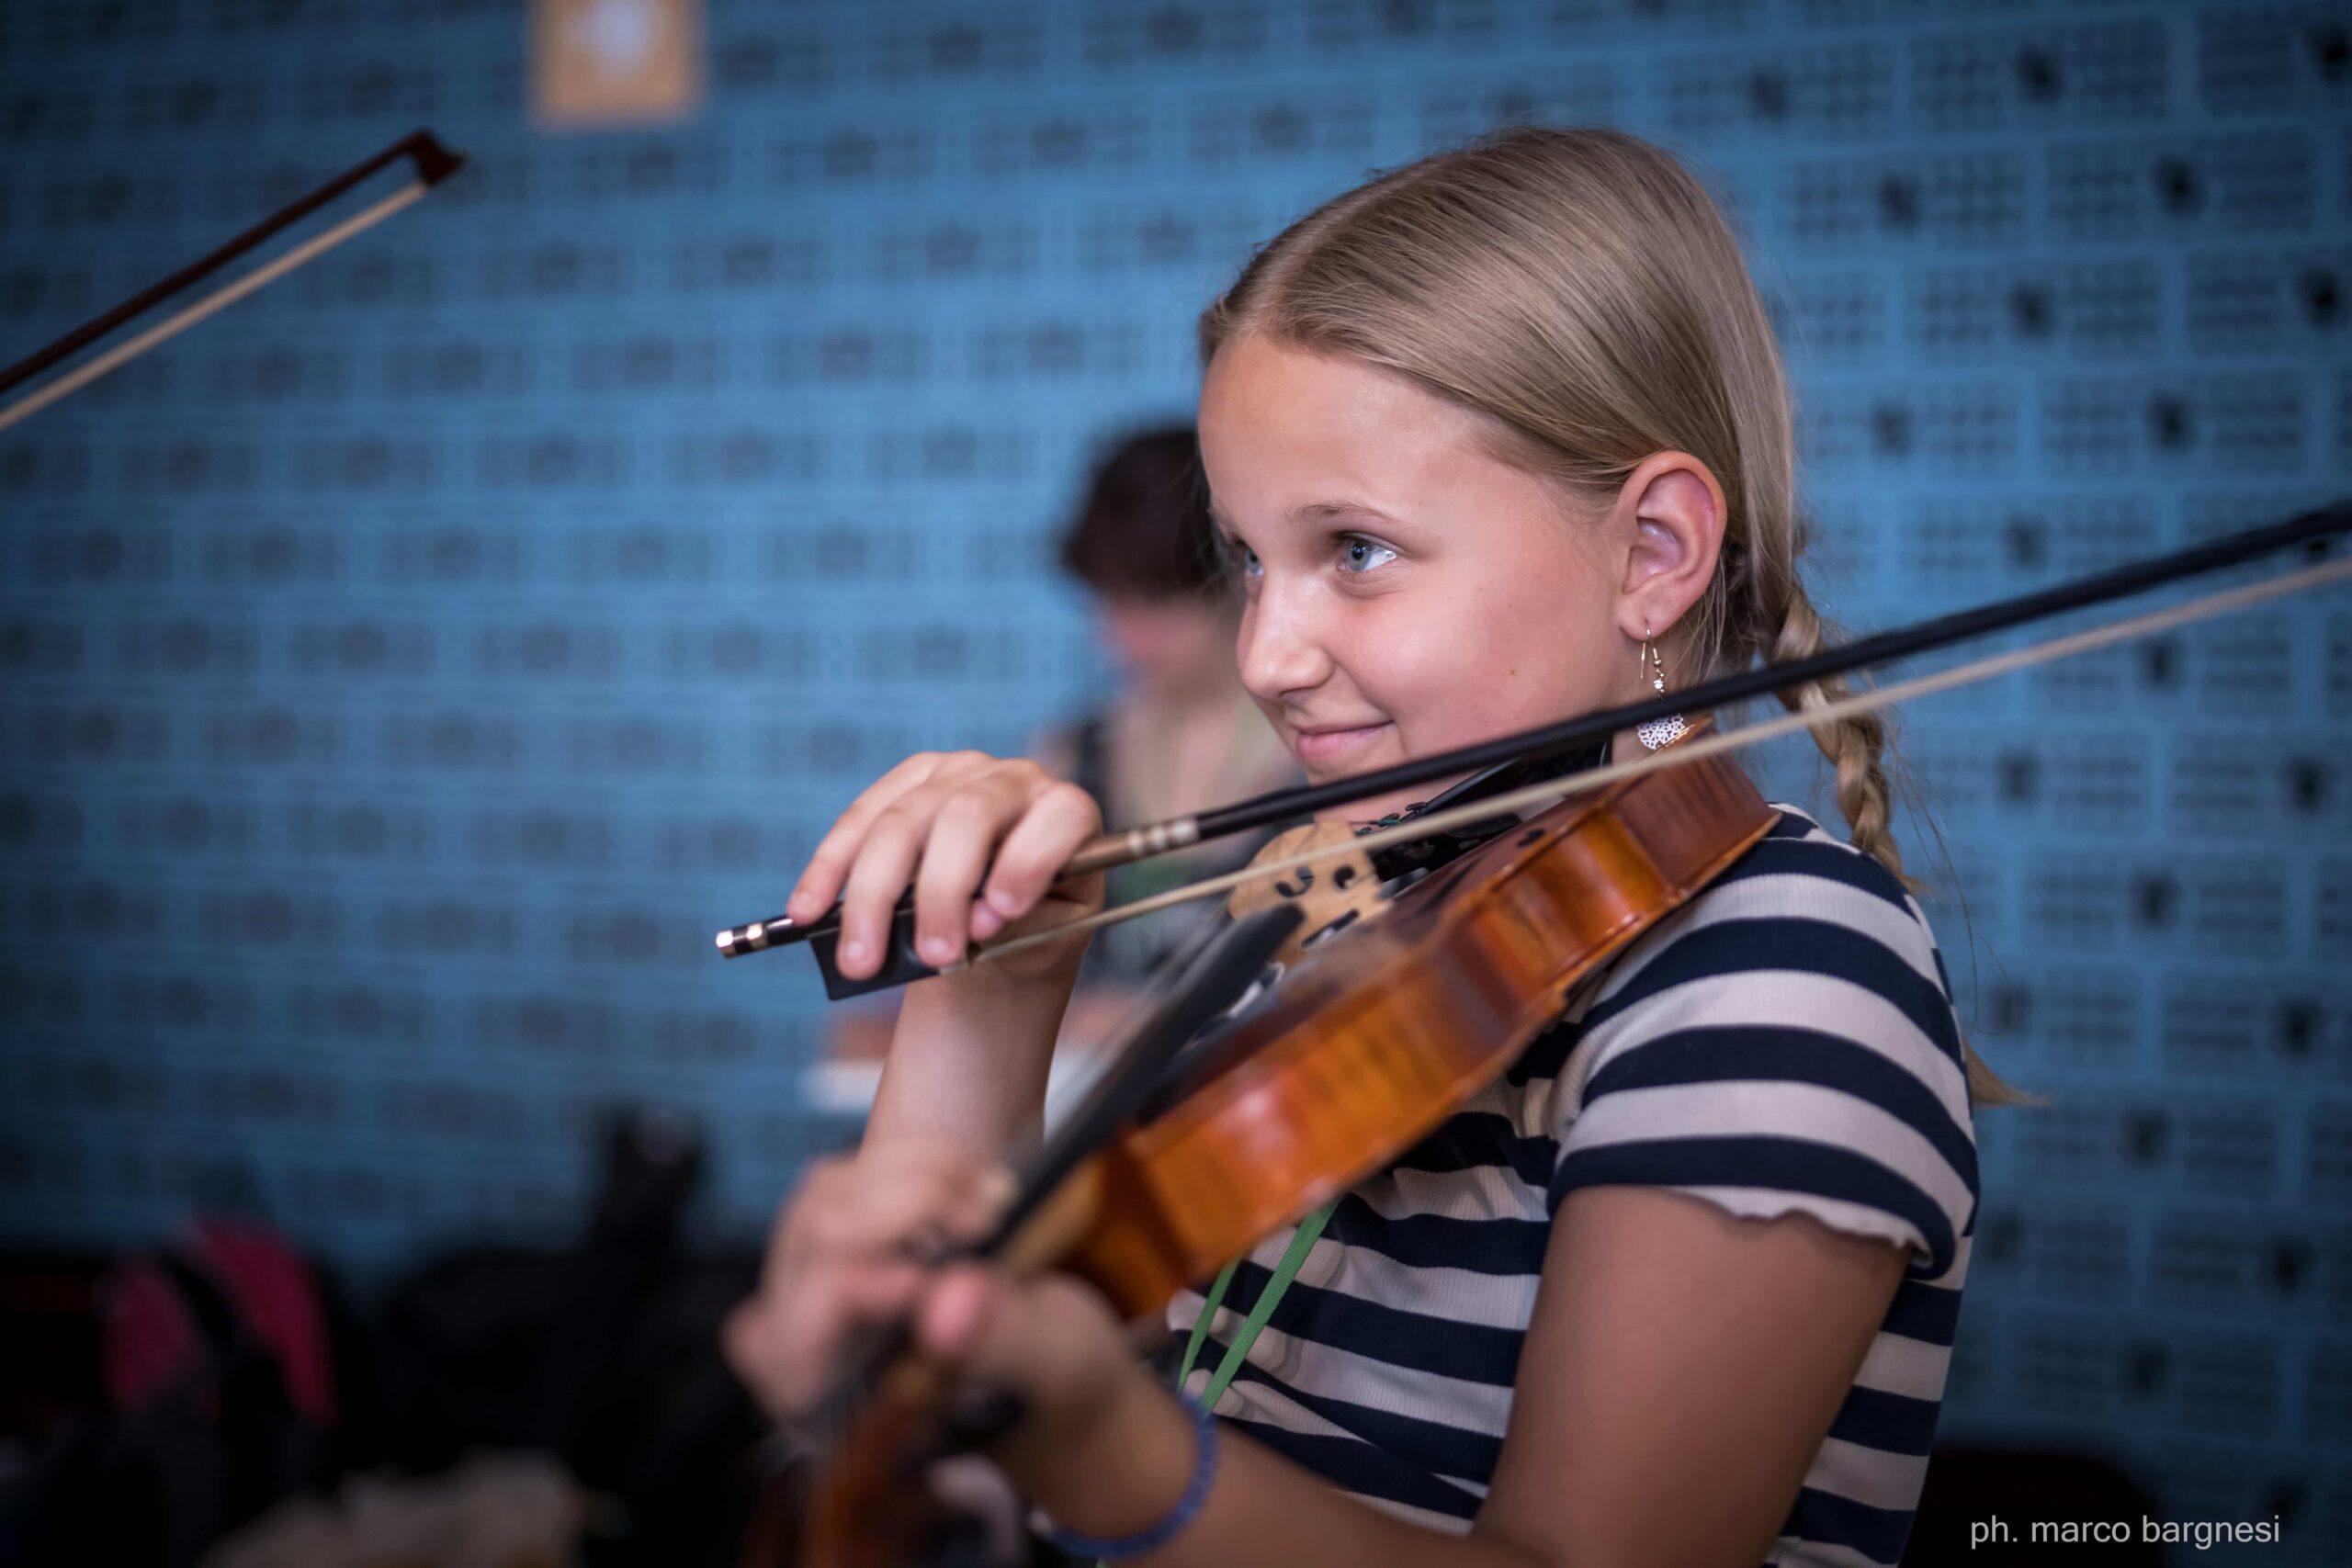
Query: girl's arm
pixel 967 1063
pixel 966 1067
pixel 1681 1369
pixel 977 841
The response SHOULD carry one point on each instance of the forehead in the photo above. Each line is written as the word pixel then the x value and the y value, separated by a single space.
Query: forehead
pixel 1266 404
pixel 1295 435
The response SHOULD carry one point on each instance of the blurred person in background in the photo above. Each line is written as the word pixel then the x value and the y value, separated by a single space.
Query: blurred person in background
pixel 1180 734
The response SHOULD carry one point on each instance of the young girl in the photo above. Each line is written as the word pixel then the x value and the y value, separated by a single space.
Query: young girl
pixel 1493 439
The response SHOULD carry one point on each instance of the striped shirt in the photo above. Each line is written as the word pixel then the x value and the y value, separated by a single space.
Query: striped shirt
pixel 1784 1044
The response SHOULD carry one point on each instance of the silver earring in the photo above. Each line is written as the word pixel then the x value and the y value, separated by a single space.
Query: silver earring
pixel 1663 731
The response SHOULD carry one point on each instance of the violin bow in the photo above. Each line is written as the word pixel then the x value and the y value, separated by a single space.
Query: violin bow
pixel 2310 530
pixel 434 162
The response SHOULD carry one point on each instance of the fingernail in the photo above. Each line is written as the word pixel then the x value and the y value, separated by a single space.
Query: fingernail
pixel 950 1319
pixel 1004 902
pixel 938 949
pixel 853 952
pixel 986 922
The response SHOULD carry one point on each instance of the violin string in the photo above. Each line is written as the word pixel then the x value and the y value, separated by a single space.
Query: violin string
pixel 1692 751
pixel 211 304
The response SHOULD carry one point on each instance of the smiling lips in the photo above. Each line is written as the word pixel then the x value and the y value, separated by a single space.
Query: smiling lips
pixel 1326 745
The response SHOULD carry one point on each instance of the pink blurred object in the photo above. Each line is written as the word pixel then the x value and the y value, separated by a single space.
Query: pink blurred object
pixel 154 1343
pixel 151 1344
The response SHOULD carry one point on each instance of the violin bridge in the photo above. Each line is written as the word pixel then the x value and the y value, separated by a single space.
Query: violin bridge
pixel 1324 892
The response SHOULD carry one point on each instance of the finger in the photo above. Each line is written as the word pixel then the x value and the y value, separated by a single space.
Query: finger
pixel 956 1313
pixel 740 1340
pixel 788 1233
pixel 822 1216
pixel 787 1346
pixel 963 836
pixel 828 863
pixel 886 863
pixel 1029 1335
pixel 1060 818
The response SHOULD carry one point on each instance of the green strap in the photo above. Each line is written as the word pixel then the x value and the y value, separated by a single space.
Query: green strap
pixel 1301 1244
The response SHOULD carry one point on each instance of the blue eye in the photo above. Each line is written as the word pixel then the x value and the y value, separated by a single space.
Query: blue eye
pixel 1360 554
pixel 1241 557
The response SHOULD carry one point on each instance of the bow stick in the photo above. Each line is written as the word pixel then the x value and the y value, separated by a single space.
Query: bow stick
pixel 1552 789
pixel 2310 529
pixel 434 162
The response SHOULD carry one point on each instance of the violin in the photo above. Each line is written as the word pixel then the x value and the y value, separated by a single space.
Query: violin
pixel 1366 1047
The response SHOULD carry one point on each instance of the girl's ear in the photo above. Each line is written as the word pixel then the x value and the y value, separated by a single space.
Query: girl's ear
pixel 1673 510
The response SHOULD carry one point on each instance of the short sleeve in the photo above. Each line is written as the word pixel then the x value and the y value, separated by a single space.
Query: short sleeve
pixel 1783 1045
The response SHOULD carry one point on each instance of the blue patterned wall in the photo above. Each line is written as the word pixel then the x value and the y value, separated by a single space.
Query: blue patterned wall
pixel 406 671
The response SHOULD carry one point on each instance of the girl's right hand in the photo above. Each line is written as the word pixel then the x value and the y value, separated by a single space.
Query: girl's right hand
pixel 852 1246
pixel 863 1242
pixel 934 821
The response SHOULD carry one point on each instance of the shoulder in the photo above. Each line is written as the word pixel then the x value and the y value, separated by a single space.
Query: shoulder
pixel 1803 927
pixel 1788 1032
pixel 1803 865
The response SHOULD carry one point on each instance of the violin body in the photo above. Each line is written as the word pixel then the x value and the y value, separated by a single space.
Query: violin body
pixel 1369 1044
pixel 1373 1041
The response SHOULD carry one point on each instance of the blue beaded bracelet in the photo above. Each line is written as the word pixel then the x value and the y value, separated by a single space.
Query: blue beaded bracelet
pixel 1110 1547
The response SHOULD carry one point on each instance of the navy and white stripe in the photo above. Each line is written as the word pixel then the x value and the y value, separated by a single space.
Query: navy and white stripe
pixel 1784 1044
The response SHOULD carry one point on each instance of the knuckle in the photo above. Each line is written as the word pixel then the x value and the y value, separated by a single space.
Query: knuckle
pixel 966 807
pixel 1019 875
pixel 833 1229
pixel 1021 773
pixel 1066 797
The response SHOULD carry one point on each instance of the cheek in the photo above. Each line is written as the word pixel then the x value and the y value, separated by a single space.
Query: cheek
pixel 1512 658
pixel 1421 667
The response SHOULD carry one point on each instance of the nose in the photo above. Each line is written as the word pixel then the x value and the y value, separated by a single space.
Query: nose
pixel 1281 651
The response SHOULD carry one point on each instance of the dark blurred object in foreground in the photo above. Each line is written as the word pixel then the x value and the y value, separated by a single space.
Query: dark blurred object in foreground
pixel 606 1355
pixel 214 1361
pixel 157 1402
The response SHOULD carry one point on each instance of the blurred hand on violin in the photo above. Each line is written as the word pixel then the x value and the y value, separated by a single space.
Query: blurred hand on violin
pixel 855 1247
pixel 934 822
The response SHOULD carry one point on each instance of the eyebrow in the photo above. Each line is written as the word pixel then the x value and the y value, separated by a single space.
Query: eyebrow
pixel 1313 512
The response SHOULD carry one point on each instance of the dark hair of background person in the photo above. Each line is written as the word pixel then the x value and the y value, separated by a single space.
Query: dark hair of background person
pixel 1144 527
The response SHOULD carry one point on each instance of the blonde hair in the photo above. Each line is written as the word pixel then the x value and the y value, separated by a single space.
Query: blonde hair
pixel 1581 290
